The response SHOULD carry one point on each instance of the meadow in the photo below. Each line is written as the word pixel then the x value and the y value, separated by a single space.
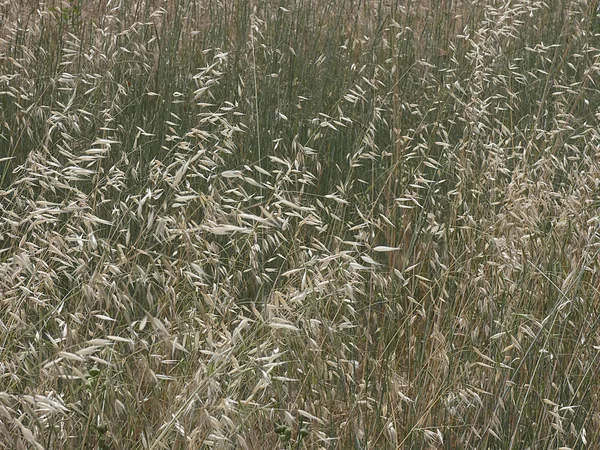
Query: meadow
pixel 299 224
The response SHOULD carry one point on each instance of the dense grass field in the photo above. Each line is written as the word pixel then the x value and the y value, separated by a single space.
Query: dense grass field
pixel 299 224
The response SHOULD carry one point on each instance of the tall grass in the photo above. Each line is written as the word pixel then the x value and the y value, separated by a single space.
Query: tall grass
pixel 299 224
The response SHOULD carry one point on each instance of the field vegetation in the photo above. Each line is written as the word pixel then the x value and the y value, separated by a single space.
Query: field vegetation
pixel 299 224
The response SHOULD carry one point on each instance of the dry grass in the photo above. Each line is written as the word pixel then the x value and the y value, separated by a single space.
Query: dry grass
pixel 302 224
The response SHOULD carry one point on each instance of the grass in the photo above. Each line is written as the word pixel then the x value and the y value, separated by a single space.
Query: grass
pixel 299 224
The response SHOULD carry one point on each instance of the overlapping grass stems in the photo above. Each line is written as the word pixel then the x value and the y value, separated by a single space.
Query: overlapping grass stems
pixel 299 224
